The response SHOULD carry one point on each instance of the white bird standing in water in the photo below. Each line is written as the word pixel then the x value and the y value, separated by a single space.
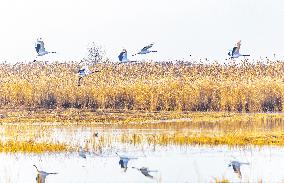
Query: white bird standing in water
pixel 41 175
pixel 235 53
pixel 237 167
pixel 146 50
pixel 40 49
pixel 145 171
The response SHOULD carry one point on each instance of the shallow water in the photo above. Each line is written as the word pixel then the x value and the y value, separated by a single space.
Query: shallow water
pixel 175 164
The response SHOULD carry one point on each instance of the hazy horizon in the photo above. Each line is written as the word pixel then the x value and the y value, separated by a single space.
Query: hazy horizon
pixel 201 28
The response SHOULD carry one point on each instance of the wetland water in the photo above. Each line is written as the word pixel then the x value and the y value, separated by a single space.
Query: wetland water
pixel 175 163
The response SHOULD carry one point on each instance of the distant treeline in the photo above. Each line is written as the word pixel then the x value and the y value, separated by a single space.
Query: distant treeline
pixel 145 86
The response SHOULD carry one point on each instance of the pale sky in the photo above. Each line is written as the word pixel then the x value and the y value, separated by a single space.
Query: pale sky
pixel 202 28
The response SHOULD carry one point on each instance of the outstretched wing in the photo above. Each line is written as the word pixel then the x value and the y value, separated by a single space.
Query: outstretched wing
pixel 40 46
pixel 147 47
pixel 146 173
pixel 123 56
pixel 235 50
pixel 239 44
pixel 238 47
pixel 121 163
pixel 120 56
pixel 125 162
pixel 237 170
pixel 37 47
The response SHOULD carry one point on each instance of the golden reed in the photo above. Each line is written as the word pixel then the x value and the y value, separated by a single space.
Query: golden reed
pixel 145 86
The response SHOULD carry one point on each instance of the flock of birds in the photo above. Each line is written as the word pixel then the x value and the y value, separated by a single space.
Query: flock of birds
pixel 122 57
pixel 123 163
pixel 123 160
pixel 41 51
pixel 234 53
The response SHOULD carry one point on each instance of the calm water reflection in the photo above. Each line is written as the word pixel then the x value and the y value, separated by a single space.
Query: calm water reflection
pixel 175 164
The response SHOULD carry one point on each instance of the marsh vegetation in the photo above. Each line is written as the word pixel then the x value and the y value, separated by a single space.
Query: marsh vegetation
pixel 144 108
pixel 145 87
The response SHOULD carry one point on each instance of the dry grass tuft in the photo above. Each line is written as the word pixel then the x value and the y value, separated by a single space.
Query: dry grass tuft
pixel 223 180
pixel 31 147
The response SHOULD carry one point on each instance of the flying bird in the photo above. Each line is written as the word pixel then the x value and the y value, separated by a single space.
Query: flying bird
pixel 83 72
pixel 123 161
pixel 145 171
pixel 146 50
pixel 122 57
pixel 235 53
pixel 237 167
pixel 41 175
pixel 40 49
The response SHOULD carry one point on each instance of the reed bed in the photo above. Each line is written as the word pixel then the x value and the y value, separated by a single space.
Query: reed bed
pixel 145 86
